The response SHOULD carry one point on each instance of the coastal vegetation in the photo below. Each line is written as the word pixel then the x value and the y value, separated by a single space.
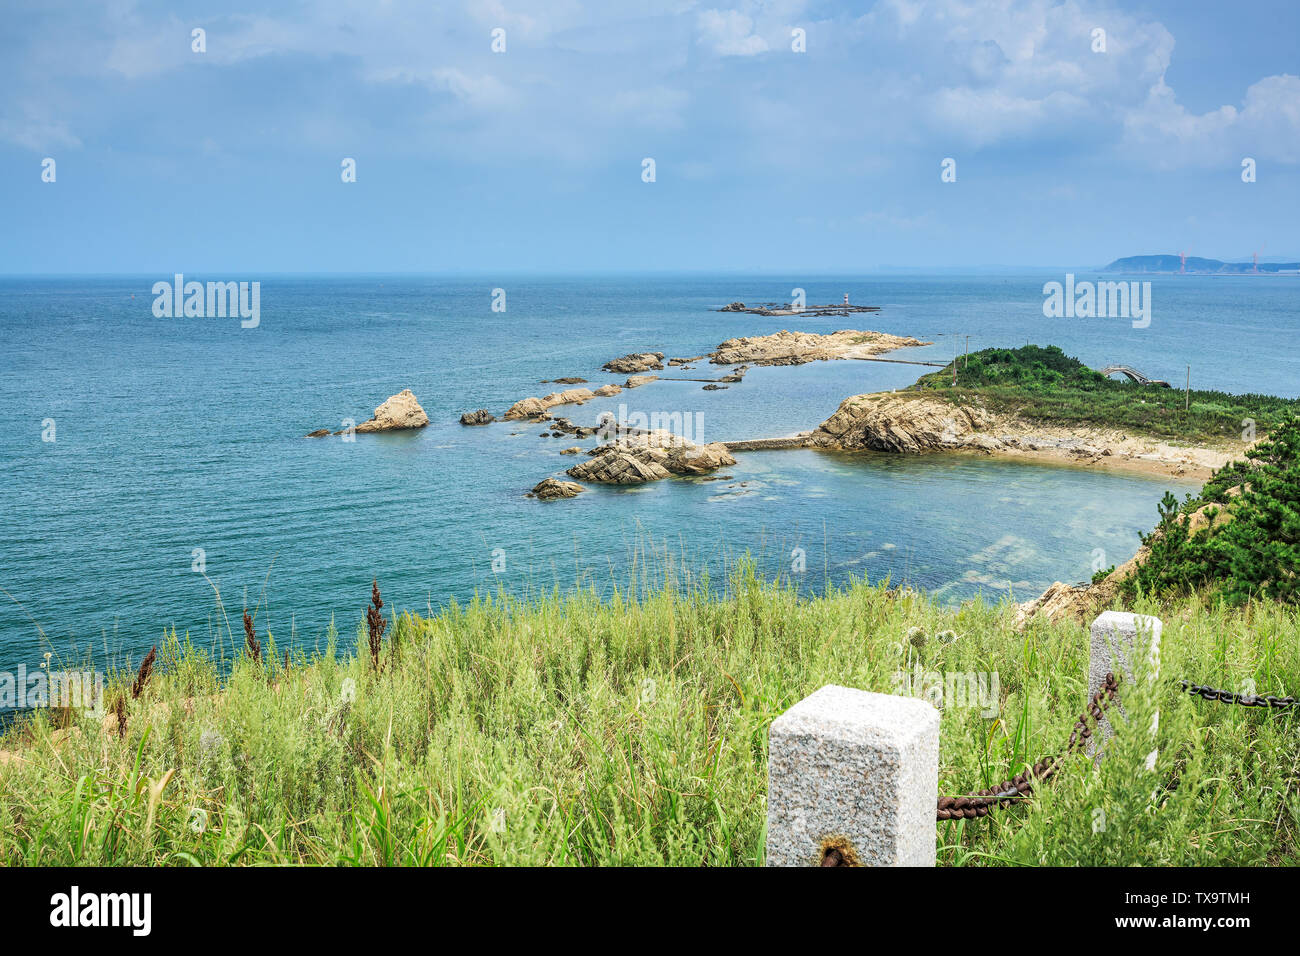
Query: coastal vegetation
pixel 566 729
pixel 1247 541
pixel 1042 383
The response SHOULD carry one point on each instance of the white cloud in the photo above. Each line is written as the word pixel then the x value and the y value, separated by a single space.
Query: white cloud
pixel 32 131
pixel 730 33
pixel 1266 127
pixel 481 91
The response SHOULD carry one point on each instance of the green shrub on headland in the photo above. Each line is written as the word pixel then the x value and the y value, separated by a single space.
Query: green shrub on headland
pixel 1248 542
pixel 1044 384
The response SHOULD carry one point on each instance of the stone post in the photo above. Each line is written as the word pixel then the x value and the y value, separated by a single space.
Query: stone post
pixel 1118 637
pixel 856 772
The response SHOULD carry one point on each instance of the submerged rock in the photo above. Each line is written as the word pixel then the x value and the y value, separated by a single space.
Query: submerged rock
pixel 319 433
pixel 636 381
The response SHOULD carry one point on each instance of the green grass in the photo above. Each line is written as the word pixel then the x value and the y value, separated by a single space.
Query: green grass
pixel 1044 384
pixel 634 731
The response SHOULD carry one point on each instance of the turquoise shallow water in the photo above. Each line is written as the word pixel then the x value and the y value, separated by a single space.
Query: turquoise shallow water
pixel 181 434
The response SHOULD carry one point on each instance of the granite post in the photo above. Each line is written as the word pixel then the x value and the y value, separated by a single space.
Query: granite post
pixel 857 772
pixel 1118 637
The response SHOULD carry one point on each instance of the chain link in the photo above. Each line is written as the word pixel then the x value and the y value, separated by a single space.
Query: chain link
pixel 981 804
pixel 1241 700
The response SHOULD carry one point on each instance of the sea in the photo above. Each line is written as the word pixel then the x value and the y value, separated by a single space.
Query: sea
pixel 155 473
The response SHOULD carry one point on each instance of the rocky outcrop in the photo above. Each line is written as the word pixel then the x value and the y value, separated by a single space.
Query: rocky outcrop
pixel 905 423
pixel 398 412
pixel 575 450
pixel 480 417
pixel 636 381
pixel 563 426
pixel 714 388
pixel 698 459
pixel 319 433
pixel 916 421
pixel 526 408
pixel 536 407
pixel 650 456
pixel 685 361
pixel 636 362
pixel 607 390
pixel 572 380
pixel 551 488
pixel 621 465
pixel 733 307
pixel 797 348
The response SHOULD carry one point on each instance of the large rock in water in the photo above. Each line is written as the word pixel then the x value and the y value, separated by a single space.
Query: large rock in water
pixel 636 362
pixel 650 457
pixel 698 459
pixel 622 465
pixel 480 417
pixel 400 411
pixel 551 488
pixel 535 407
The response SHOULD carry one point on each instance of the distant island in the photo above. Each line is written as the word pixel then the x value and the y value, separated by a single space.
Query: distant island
pixel 1199 266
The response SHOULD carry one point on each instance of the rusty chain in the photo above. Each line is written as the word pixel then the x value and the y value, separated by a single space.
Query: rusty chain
pixel 980 804
pixel 1242 700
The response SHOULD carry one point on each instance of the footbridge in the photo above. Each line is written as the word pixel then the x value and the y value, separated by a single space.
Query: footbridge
pixel 1133 375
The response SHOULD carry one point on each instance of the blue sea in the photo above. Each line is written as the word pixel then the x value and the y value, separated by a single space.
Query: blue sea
pixel 179 445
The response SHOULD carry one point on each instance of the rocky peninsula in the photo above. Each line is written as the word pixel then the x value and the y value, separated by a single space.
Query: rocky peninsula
pixel 799 348
pixel 916 422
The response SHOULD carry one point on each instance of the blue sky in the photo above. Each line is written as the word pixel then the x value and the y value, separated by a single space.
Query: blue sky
pixel 824 161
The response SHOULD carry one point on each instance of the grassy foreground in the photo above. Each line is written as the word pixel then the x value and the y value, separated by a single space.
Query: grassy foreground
pixel 634 731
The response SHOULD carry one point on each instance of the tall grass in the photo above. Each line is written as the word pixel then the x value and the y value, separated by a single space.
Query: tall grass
pixel 570 730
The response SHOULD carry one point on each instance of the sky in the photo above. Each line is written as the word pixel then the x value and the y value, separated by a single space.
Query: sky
pixel 785 135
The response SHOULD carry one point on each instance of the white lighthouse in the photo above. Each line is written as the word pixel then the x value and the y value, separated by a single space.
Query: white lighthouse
pixel 846 298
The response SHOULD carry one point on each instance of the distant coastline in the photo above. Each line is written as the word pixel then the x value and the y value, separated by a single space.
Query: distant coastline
pixel 1182 264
